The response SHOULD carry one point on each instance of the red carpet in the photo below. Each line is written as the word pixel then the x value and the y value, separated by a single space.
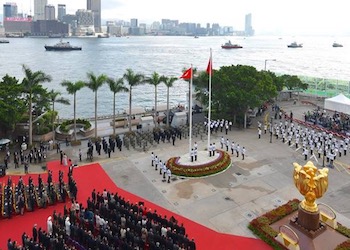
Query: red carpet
pixel 93 176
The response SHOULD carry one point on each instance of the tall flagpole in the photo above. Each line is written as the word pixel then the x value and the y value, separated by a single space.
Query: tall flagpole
pixel 209 102
pixel 190 112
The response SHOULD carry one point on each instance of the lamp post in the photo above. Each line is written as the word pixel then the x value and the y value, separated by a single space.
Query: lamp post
pixel 268 60
pixel 271 130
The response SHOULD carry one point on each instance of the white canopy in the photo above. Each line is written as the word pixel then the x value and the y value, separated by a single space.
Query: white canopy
pixel 339 103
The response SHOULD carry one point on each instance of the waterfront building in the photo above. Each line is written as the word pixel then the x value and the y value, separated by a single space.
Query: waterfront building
pixel 19 25
pixel 49 27
pixel 50 12
pixel 248 28
pixel 95 7
pixel 85 22
pixel 61 11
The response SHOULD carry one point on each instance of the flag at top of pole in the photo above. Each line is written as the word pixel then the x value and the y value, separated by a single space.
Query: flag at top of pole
pixel 187 74
pixel 210 65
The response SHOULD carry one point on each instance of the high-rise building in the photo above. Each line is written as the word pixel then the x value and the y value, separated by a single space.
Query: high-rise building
pixel 134 23
pixel 10 10
pixel 85 21
pixel 95 7
pixel 248 28
pixel 39 9
pixel 50 12
pixel 61 11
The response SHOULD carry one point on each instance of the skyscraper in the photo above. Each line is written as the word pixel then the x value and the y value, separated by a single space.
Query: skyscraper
pixel 10 10
pixel 50 12
pixel 39 9
pixel 95 7
pixel 61 11
pixel 248 29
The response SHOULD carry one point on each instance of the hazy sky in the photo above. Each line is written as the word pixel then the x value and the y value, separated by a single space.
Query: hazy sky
pixel 269 16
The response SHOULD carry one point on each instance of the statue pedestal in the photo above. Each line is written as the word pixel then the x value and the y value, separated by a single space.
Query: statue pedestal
pixel 308 223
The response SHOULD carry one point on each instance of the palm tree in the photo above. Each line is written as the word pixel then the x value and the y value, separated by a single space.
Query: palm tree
pixel 72 89
pixel 155 80
pixel 168 81
pixel 31 82
pixel 133 80
pixel 53 95
pixel 94 83
pixel 116 86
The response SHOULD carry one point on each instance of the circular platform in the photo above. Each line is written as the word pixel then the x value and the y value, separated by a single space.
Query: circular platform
pixel 204 166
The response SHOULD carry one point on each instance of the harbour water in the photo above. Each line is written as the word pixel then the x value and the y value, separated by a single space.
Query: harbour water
pixel 167 56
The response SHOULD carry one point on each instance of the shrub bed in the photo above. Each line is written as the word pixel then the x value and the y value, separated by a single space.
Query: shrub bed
pixel 260 226
pixel 216 166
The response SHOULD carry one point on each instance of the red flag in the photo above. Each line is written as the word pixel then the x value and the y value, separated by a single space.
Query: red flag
pixel 187 74
pixel 210 67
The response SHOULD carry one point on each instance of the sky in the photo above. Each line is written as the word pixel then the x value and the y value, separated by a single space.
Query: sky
pixel 297 17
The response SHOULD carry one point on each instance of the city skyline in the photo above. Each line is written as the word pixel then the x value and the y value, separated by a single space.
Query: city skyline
pixel 268 17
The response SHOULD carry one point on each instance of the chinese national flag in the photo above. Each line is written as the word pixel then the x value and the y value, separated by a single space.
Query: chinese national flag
pixel 187 74
pixel 210 67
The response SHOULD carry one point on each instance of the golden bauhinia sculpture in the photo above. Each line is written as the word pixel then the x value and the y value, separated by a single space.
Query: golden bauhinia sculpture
pixel 311 182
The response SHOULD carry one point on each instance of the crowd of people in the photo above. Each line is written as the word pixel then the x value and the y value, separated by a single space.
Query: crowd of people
pixel 16 198
pixel 108 221
pixel 310 142
pixel 333 121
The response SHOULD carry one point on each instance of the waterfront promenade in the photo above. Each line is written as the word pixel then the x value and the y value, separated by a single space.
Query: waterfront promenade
pixel 224 202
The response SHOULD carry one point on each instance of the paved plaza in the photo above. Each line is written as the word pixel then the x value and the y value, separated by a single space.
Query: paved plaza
pixel 228 201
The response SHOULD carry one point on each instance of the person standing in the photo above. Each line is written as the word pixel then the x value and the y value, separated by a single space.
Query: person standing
pixel 173 136
pixel 232 147
pixel 156 162
pixel 152 159
pixel 227 144
pixel 169 174
pixel 222 141
pixel 238 148
pixel 243 152
pixel 195 152
pixel 210 149
pixel 259 133
pixel 192 155
pixel 65 160
pixel 35 233
pixel 80 154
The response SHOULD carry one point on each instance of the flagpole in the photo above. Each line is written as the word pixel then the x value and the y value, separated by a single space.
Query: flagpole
pixel 190 113
pixel 209 102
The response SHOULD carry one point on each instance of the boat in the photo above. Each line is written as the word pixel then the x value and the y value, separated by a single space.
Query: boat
pixel 295 45
pixel 103 36
pixel 62 46
pixel 195 36
pixel 229 45
pixel 14 35
pixel 4 41
pixel 337 45
pixel 57 35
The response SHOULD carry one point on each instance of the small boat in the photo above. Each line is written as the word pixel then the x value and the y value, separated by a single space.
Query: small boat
pixel 229 45
pixel 62 46
pixel 195 36
pixel 295 45
pixel 337 45
pixel 103 36
pixel 4 41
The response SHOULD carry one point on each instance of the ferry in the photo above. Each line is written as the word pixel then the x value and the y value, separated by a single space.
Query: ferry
pixel 229 45
pixel 295 45
pixel 337 45
pixel 62 46
pixel 4 41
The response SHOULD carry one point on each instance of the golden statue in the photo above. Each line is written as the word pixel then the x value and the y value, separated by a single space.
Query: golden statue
pixel 311 182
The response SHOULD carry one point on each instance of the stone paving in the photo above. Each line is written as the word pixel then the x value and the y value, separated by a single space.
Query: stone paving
pixel 228 201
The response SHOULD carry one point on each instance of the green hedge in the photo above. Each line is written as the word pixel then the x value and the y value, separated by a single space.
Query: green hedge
pixel 66 124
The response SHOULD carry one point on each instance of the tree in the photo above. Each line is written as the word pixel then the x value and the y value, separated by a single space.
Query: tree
pixel 154 80
pixel 11 103
pixel 168 81
pixel 54 97
pixel 94 83
pixel 133 80
pixel 236 89
pixel 116 86
pixel 32 84
pixel 292 82
pixel 72 88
